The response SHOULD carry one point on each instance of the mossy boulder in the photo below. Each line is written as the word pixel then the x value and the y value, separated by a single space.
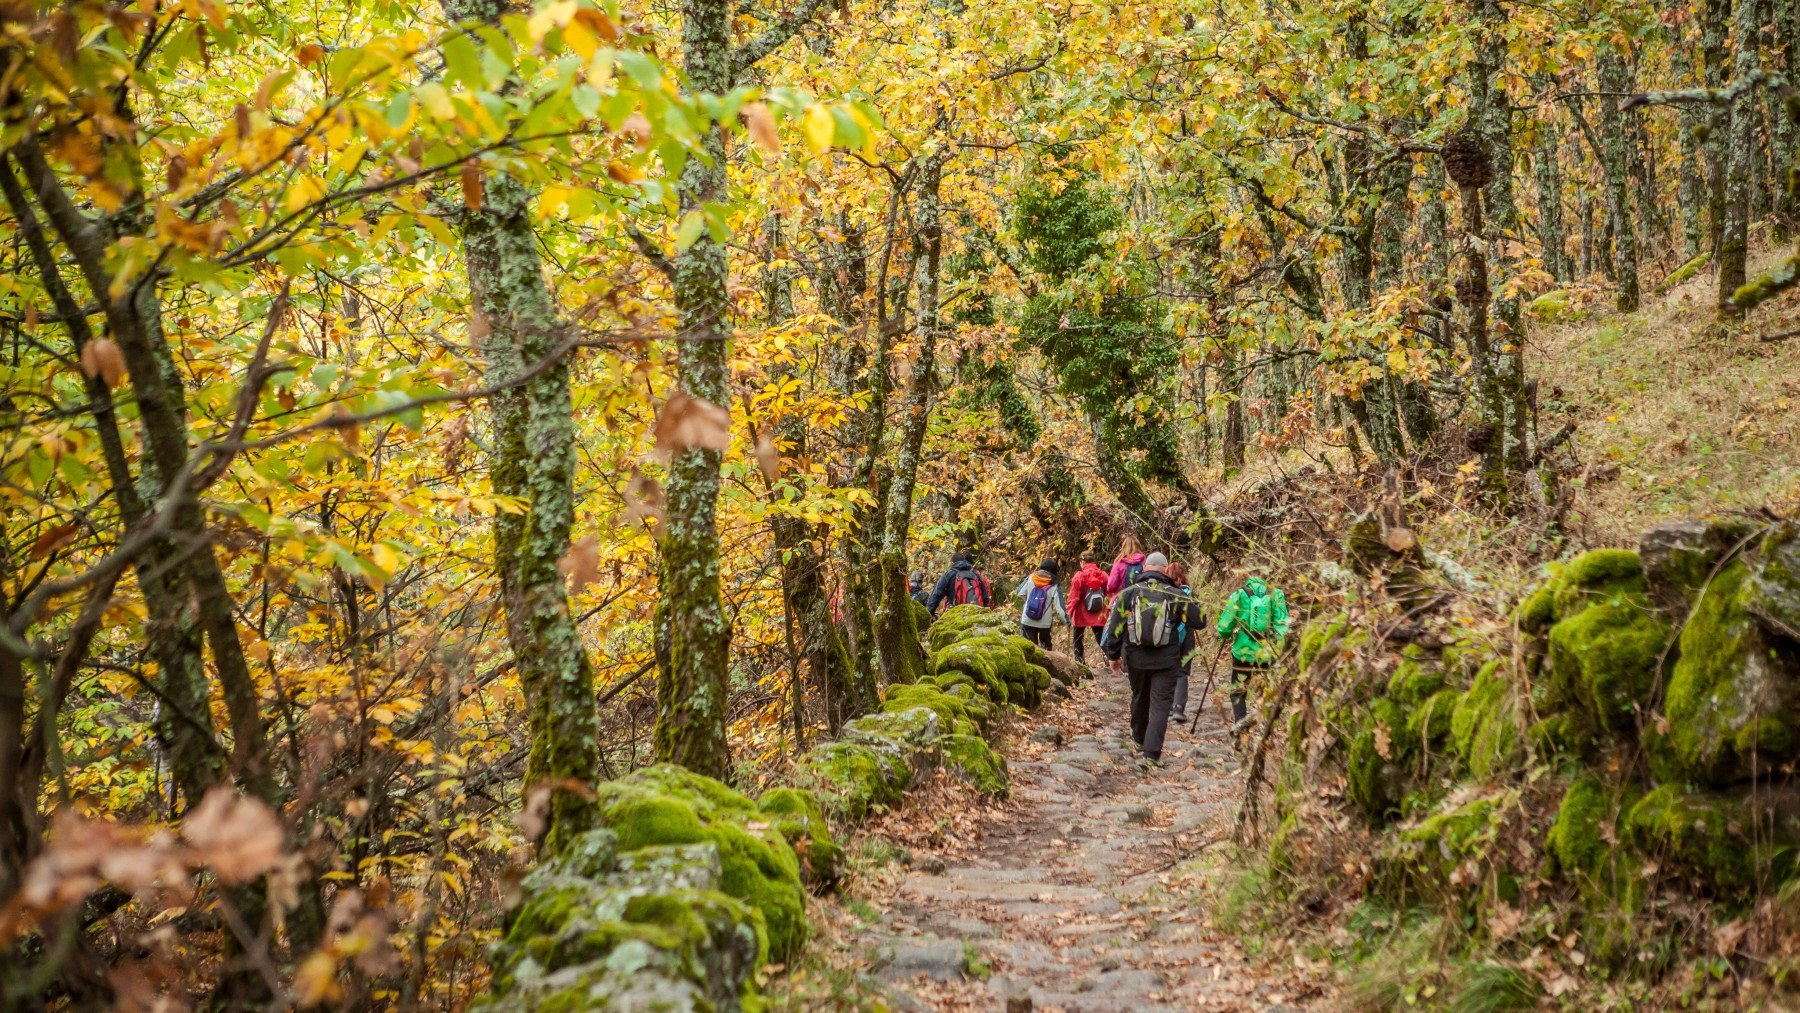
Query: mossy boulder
pixel 665 805
pixel 1336 632
pixel 972 759
pixel 1680 556
pixel 1603 661
pixel 1585 831
pixel 962 620
pixel 851 778
pixel 921 614
pixel 1572 585
pixel 1724 841
pixel 1484 727
pixel 913 727
pixel 597 928
pixel 1733 702
pixel 800 819
pixel 948 708
pixel 1428 725
pixel 1459 833
pixel 1374 763
pixel 1414 680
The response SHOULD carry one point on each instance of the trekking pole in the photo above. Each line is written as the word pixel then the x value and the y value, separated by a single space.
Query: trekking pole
pixel 1211 674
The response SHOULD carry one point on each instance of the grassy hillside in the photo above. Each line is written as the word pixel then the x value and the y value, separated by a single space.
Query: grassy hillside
pixel 1674 416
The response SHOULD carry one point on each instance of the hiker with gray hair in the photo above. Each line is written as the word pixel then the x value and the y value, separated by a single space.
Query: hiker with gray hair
pixel 1145 636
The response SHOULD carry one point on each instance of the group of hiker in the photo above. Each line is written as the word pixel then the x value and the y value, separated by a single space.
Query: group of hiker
pixel 1146 621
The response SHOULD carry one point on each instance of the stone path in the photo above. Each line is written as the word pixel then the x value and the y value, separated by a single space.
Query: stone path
pixel 1065 901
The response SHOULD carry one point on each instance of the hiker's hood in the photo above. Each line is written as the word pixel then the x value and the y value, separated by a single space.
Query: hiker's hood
pixel 1136 557
pixel 1042 578
pixel 1091 568
pixel 962 564
pixel 1255 587
pixel 1157 575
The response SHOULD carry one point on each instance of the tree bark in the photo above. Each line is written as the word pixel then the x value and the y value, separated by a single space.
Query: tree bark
pixel 1740 152
pixel 1616 160
pixel 532 457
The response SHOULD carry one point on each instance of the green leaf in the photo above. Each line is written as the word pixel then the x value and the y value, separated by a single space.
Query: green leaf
pixel 692 224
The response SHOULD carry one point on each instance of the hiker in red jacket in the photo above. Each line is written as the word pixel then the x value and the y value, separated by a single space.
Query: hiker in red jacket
pixel 1087 603
pixel 1127 568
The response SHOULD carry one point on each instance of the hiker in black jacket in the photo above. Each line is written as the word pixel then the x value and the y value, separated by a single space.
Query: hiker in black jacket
pixel 962 584
pixel 1151 624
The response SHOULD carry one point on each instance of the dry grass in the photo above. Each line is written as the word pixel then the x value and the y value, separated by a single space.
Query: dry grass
pixel 1676 416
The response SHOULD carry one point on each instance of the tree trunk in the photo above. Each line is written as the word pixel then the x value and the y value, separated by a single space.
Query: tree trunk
pixel 1549 193
pixel 532 456
pixel 896 634
pixel 1715 25
pixel 1691 180
pixel 1740 154
pixel 1616 160
pixel 694 684
pixel 1492 116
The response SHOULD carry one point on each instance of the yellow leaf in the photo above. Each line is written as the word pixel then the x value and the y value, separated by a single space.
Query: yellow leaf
pixel 305 190
pixel 435 100
pixel 819 128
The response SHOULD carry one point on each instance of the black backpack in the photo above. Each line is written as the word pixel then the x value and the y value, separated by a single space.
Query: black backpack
pixel 1094 600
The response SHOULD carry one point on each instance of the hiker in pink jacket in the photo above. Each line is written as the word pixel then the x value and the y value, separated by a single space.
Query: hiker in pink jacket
pixel 1126 568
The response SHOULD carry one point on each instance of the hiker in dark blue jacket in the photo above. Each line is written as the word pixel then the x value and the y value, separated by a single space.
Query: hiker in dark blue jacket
pixel 962 584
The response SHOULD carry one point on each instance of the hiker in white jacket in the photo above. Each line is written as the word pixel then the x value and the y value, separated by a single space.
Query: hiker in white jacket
pixel 1043 602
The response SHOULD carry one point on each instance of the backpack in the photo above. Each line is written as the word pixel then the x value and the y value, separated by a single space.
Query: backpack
pixel 1133 571
pixel 1181 630
pixel 1157 616
pixel 1258 613
pixel 1037 602
pixel 1094 600
pixel 970 588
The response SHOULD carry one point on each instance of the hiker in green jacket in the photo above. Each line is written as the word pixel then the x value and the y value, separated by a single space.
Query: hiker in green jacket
pixel 1256 616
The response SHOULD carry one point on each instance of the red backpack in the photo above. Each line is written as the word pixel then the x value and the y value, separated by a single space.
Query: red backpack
pixel 970 588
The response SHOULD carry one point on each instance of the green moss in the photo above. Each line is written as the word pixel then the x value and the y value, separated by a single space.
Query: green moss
pixel 1716 839
pixel 1315 636
pixel 800 820
pixel 663 805
pixel 1599 574
pixel 1413 682
pixel 972 759
pixel 1552 736
pixel 1727 699
pixel 1428 724
pixel 1575 839
pixel 850 778
pixel 1433 849
pixel 1603 661
pixel 962 620
pixel 914 727
pixel 1376 782
pixel 1535 614
pixel 947 708
pixel 1484 731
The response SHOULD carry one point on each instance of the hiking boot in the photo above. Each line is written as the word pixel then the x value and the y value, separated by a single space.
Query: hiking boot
pixel 1177 717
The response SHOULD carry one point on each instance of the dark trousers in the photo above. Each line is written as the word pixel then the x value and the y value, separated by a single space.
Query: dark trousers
pixel 1039 635
pixel 1152 694
pixel 1241 672
pixel 1081 635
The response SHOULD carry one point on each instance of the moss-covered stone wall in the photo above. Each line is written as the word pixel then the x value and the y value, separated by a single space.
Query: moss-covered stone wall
pixel 689 886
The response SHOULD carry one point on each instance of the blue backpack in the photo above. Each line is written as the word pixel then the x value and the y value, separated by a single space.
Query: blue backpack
pixel 1036 602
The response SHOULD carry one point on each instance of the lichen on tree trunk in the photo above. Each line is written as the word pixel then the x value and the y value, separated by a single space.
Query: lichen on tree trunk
pixel 893 615
pixel 531 456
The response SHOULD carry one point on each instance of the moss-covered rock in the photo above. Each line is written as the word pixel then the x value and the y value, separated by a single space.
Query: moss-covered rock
pixel 1428 725
pixel 1484 727
pixel 800 819
pixel 1374 769
pixel 1578 838
pixel 850 778
pixel 1572 585
pixel 1680 556
pixel 666 804
pixel 1414 680
pixel 597 928
pixel 948 708
pixel 1338 629
pixel 974 761
pixel 961 620
pixel 1428 853
pixel 1721 840
pixel 910 727
pixel 1733 701
pixel 1604 659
